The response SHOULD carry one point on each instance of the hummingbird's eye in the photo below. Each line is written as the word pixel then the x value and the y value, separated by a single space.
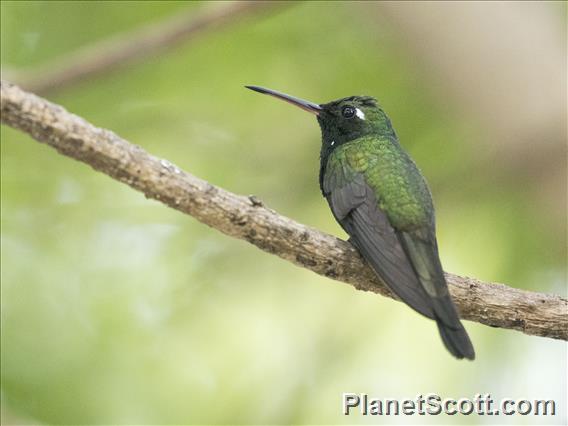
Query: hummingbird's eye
pixel 348 112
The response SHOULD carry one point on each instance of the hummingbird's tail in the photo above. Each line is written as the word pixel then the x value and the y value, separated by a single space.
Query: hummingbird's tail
pixel 456 340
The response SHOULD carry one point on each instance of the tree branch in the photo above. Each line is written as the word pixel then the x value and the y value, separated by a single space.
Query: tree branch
pixel 247 218
pixel 123 49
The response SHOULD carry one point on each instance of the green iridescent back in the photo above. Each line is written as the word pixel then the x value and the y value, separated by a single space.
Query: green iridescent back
pixel 400 188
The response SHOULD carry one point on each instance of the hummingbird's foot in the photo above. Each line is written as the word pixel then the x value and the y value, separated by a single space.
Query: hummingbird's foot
pixel 351 241
pixel 255 201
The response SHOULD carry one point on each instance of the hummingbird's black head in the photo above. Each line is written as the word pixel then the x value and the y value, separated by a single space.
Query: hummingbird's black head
pixel 342 120
pixel 350 118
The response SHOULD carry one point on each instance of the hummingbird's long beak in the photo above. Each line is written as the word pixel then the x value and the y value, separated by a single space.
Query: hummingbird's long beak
pixel 305 105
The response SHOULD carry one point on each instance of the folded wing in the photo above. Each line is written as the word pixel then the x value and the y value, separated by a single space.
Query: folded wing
pixel 407 262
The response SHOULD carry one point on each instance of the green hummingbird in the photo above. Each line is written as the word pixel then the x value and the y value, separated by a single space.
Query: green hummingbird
pixel 380 198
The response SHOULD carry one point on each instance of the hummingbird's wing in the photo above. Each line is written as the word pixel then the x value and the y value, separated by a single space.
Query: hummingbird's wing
pixel 355 207
pixel 422 249
pixel 407 262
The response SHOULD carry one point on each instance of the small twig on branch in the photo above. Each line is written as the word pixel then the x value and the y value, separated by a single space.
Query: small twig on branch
pixel 124 49
pixel 247 218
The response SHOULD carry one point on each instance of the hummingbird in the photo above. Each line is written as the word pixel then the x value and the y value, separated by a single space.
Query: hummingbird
pixel 380 198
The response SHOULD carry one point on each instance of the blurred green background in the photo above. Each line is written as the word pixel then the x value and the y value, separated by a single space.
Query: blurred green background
pixel 117 309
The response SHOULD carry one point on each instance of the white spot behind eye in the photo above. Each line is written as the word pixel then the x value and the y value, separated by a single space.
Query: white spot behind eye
pixel 360 113
pixel 332 143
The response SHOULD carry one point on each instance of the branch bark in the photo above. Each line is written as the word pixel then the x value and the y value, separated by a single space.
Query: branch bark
pixel 124 49
pixel 249 219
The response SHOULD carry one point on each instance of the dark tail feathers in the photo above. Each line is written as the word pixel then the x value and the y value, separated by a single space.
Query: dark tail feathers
pixel 456 340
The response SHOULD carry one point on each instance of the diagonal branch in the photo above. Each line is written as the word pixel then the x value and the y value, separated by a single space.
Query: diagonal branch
pixel 123 49
pixel 247 218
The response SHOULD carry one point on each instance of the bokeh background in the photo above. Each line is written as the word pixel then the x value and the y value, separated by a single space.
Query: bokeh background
pixel 119 310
